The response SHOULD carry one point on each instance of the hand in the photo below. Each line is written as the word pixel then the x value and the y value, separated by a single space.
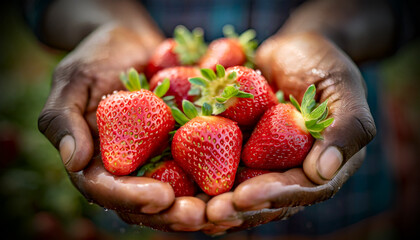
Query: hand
pixel 293 62
pixel 68 120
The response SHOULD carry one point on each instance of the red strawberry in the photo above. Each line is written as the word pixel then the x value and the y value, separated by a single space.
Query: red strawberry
pixel 132 125
pixel 169 171
pixel 186 48
pixel 240 94
pixel 232 50
pixel 208 148
pixel 245 173
pixel 285 134
pixel 178 76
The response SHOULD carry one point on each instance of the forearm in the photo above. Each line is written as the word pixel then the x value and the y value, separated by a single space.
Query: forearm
pixel 67 22
pixel 363 29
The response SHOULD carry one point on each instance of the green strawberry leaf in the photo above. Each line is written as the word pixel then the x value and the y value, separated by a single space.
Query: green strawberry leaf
pixel 168 98
pixel 280 96
pixel 156 158
pixel 208 74
pixel 229 31
pixel 232 76
pixel 220 70
pixel 206 109
pixel 194 91
pixel 190 46
pixel 242 94
pixel 199 81
pixel 179 116
pixel 308 101
pixel 229 92
pixel 144 169
pixel 318 112
pixel 189 109
pixel 295 103
pixel 162 88
pixel 320 126
pixel 134 79
pixel 143 82
pixel 316 135
pixel 315 121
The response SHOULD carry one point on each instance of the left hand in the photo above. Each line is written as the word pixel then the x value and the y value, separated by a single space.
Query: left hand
pixel 294 62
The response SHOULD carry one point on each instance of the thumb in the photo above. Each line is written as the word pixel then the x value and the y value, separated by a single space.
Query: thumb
pixel 353 128
pixel 62 121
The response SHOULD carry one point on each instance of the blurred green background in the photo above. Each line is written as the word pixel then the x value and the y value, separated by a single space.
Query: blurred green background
pixel 39 202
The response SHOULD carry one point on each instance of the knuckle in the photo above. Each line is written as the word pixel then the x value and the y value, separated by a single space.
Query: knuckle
pixel 71 71
pixel 365 123
pixel 48 124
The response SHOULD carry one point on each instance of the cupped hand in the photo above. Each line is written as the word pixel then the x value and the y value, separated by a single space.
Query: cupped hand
pixel 68 120
pixel 293 62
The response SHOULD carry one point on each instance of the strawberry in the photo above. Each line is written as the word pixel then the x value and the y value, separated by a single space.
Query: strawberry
pixel 185 48
pixel 207 147
pixel 132 124
pixel 169 171
pixel 245 173
pixel 178 77
pixel 232 50
pixel 238 93
pixel 285 133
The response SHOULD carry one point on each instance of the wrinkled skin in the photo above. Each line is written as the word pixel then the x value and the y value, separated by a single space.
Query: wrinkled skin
pixel 291 61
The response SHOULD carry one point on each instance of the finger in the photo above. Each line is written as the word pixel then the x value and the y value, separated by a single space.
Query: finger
pixel 62 122
pixel 261 191
pixel 124 193
pixel 291 188
pixel 222 213
pixel 352 129
pixel 186 214
pixel 312 59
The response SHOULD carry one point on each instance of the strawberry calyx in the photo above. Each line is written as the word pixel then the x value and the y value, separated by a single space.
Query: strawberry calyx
pixel 133 81
pixel 190 46
pixel 154 162
pixel 216 88
pixel 246 40
pixel 314 115
pixel 190 112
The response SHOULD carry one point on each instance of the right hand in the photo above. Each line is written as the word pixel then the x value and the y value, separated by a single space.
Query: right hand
pixel 68 120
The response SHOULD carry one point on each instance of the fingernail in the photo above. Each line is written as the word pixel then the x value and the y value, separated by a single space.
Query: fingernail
pixel 67 147
pixel 329 163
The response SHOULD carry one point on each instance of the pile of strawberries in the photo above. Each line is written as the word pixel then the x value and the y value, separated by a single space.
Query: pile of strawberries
pixel 208 120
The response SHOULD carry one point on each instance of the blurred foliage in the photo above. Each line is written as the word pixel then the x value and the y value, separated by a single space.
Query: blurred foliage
pixel 37 198
pixel 402 85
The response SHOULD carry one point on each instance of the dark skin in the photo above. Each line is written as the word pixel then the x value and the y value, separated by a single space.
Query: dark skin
pixel 298 55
